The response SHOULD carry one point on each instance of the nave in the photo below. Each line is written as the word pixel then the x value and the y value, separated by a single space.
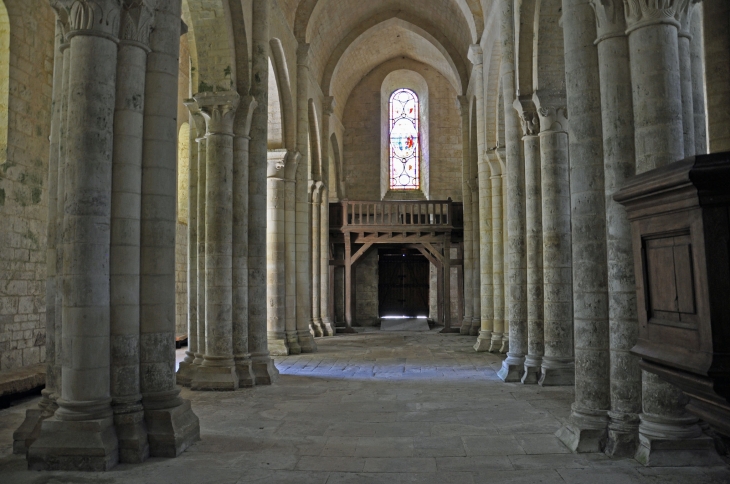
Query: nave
pixel 375 407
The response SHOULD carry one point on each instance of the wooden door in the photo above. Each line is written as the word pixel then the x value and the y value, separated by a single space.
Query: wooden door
pixel 403 283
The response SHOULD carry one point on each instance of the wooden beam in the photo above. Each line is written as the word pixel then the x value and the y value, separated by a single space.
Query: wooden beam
pixel 433 251
pixel 360 253
pixel 428 256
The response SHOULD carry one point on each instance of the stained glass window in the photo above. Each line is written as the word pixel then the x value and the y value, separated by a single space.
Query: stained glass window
pixel 405 146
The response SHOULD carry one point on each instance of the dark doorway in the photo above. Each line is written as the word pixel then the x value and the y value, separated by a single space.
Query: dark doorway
pixel 403 286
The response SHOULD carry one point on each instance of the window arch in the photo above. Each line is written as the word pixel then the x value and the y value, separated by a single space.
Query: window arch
pixel 405 136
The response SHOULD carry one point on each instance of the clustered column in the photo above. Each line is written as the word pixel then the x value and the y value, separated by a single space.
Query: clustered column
pixel 118 399
pixel 466 191
pixel 275 254
pixel 585 430
pixel 619 165
pixel 485 255
pixel 495 343
pixel 557 362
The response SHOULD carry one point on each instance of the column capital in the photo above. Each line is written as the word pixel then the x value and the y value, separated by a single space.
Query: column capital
pixel 528 117
pixel 552 118
pixel 137 17
pixel 303 55
pixel 219 111
pixel 610 19
pixel 684 16
pixel 317 190
pixel 475 54
pixel 328 105
pixel 198 118
pixel 276 162
pixel 94 17
pixel 293 157
pixel 495 160
pixel 641 13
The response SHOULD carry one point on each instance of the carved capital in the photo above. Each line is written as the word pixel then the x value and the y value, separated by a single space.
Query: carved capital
pixel 276 163
pixel 610 19
pixel 528 117
pixel 475 54
pixel 317 191
pixel 303 55
pixel 293 157
pixel 95 17
pixel 219 111
pixel 640 13
pixel 684 16
pixel 328 105
pixel 551 118
pixel 136 22
pixel 198 118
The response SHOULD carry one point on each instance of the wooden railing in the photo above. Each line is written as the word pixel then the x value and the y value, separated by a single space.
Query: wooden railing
pixel 353 214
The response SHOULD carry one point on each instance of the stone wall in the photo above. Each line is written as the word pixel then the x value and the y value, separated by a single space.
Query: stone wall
pixel 23 180
pixel 366 290
pixel 362 120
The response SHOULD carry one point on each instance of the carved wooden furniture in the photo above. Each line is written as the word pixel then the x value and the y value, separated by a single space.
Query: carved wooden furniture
pixel 430 226
pixel 680 222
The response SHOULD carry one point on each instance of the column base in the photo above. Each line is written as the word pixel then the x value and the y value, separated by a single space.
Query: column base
pixel 465 328
pixel 30 429
pixel 215 378
pixel 328 327
pixel 512 368
pixel 484 341
pixel 264 370
pixel 557 372
pixel 532 371
pixel 278 344
pixel 317 328
pixel 186 373
pixel 306 342
pixel 292 340
pixel 346 330
pixel 674 442
pixel 585 431
pixel 504 349
pixel 623 435
pixel 131 431
pixel 244 370
pixel 63 445
pixel 496 344
pixel 171 430
pixel 476 327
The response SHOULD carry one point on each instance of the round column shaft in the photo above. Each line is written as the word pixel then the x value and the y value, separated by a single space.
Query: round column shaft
pixel 485 255
pixel 497 258
pixel 619 165
pixel 316 211
pixel 698 80
pixel 218 370
pixel 275 255
pixel 324 261
pixel 557 363
pixel 476 320
pixel 684 48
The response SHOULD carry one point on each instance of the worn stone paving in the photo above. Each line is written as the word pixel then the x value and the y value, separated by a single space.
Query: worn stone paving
pixel 375 408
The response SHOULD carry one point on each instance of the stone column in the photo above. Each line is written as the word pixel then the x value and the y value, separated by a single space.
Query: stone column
pixel 466 194
pixel 241 142
pixel 275 246
pixel 136 22
pixel 188 367
pixel 618 162
pixel 533 228
pixel 716 36
pixel 171 424
pixel 668 435
pixel 324 262
pixel 328 324
pixel 684 39
pixel 196 226
pixel 263 366
pixel 497 253
pixel 586 428
pixel 476 320
pixel 29 429
pixel 697 53
pixel 218 370
pixel 81 435
pixel 515 190
pixel 290 262
pixel 485 252
pixel 504 347
pixel 557 362
pixel 316 200
pixel 303 215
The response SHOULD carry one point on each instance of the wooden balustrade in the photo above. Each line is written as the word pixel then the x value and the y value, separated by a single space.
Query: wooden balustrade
pixel 355 214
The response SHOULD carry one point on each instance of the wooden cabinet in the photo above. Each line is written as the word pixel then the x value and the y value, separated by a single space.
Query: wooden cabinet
pixel 680 223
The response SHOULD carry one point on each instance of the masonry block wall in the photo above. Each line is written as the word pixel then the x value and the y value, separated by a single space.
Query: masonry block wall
pixel 23 181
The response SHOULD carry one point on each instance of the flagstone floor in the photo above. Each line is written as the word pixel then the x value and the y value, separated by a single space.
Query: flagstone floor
pixel 375 408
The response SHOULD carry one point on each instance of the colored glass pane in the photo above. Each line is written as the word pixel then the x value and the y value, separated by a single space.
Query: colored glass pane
pixel 405 146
